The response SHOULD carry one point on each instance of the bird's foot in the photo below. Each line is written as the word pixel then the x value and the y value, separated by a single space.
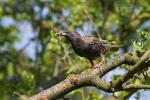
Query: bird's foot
pixel 96 66
pixel 99 65
pixel 102 60
pixel 92 67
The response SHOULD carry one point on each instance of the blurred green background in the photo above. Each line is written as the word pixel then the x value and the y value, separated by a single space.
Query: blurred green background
pixel 33 58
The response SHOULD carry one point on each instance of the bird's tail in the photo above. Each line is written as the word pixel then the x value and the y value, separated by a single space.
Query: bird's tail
pixel 115 47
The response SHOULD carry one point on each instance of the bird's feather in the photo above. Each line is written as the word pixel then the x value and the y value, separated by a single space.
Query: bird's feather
pixel 94 40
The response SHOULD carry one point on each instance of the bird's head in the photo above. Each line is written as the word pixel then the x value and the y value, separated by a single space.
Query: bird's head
pixel 71 36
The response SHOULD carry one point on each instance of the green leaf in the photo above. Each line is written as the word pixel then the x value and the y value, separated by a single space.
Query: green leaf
pixel 142 34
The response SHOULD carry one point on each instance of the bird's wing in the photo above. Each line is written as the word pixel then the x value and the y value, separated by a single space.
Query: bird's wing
pixel 88 39
pixel 100 43
pixel 93 40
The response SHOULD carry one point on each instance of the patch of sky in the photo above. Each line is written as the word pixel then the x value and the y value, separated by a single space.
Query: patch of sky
pixel 66 12
pixel 88 28
pixel 144 95
pixel 117 71
pixel 7 21
pixel 64 24
pixel 55 18
pixel 145 24
pixel 36 9
pixel 46 0
pixel 45 12
pixel 80 31
pixel 25 34
pixel 41 12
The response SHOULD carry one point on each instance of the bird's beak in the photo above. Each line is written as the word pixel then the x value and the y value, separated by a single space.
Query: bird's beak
pixel 61 34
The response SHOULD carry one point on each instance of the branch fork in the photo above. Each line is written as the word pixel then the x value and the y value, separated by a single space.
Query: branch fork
pixel 93 77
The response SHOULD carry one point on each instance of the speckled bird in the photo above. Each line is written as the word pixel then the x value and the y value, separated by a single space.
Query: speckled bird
pixel 88 46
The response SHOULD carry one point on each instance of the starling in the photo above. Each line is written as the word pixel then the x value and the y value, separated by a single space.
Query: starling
pixel 88 46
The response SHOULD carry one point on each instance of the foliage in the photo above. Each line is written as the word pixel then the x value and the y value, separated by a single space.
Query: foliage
pixel 26 70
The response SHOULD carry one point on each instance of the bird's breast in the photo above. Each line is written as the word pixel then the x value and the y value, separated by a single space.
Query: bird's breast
pixel 85 50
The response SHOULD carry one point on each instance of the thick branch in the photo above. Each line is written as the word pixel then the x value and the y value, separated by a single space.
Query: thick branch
pixel 70 83
pixel 87 78
pixel 98 83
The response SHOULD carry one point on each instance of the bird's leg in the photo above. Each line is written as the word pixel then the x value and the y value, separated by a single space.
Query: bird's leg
pixel 101 63
pixel 102 59
pixel 92 63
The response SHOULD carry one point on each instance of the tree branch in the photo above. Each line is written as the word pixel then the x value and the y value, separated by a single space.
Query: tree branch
pixel 98 83
pixel 86 78
pixel 124 59
pixel 144 62
pixel 91 78
pixel 135 86
pixel 72 82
